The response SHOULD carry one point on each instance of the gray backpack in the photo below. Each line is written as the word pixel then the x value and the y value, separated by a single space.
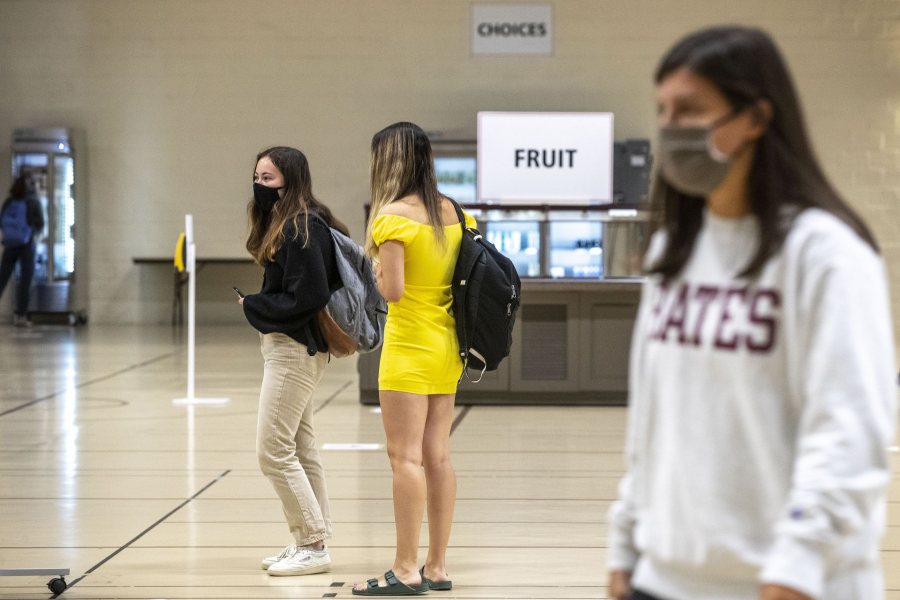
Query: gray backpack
pixel 357 308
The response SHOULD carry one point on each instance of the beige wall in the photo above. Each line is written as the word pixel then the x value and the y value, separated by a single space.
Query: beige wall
pixel 176 96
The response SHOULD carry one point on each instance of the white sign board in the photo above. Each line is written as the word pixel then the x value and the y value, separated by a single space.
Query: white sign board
pixel 512 29
pixel 545 157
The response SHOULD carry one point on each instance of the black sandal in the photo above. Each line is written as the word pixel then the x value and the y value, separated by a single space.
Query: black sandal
pixel 438 586
pixel 394 587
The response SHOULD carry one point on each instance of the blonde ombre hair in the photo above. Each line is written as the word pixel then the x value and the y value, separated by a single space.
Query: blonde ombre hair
pixel 402 165
pixel 267 228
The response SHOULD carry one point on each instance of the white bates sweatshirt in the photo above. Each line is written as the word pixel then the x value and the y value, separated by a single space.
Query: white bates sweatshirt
pixel 760 416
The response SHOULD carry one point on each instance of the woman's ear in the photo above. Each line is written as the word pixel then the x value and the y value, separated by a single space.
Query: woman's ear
pixel 762 116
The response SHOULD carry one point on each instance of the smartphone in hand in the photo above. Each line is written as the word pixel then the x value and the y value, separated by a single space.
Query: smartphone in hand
pixel 238 292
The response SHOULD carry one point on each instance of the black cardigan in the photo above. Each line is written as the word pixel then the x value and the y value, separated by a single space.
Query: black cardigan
pixel 296 286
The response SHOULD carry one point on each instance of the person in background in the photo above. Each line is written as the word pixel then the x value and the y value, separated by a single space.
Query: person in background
pixel 21 221
pixel 762 393
pixel 415 233
pixel 296 250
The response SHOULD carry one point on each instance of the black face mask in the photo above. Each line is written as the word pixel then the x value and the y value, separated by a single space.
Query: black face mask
pixel 265 197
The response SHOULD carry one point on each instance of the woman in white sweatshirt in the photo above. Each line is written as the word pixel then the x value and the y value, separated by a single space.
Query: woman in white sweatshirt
pixel 762 394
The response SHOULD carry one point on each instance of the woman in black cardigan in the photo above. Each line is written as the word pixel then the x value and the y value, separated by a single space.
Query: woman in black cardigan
pixel 300 273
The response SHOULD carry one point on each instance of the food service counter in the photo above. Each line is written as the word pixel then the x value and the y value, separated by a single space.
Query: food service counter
pixel 571 345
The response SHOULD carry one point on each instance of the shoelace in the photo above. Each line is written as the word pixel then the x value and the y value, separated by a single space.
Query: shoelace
pixel 301 555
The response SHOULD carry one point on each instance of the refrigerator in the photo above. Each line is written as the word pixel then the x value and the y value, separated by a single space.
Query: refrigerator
pixel 59 288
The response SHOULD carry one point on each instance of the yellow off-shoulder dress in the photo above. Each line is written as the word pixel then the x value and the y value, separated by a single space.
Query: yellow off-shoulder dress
pixel 420 354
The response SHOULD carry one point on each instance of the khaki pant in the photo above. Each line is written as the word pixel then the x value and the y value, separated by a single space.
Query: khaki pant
pixel 285 440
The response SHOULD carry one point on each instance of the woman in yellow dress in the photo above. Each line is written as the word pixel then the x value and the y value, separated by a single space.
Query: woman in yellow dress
pixel 415 234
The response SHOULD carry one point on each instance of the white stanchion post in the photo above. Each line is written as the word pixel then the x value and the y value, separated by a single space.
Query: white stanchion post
pixel 191 269
pixel 192 323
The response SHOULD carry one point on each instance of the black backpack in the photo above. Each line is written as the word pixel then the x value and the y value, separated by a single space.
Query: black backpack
pixel 486 292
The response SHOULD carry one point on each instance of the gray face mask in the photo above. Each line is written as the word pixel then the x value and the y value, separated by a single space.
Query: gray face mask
pixel 689 162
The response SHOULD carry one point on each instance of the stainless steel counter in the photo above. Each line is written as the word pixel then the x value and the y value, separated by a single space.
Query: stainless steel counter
pixel 581 285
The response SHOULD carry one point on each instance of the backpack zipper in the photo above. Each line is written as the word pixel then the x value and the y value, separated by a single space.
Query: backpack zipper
pixel 509 305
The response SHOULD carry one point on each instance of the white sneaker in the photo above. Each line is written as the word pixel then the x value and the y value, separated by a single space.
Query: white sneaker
pixel 271 560
pixel 302 562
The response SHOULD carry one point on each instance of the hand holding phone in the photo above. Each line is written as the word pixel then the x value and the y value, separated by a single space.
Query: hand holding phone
pixel 238 292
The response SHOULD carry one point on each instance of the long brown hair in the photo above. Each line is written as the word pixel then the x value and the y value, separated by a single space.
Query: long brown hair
pixel 20 187
pixel 402 165
pixel 746 66
pixel 267 228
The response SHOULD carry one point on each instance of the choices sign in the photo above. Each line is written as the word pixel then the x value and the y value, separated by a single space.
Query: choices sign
pixel 545 157
pixel 512 29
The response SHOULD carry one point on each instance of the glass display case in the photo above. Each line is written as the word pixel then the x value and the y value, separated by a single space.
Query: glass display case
pixel 554 241
pixel 566 242
pixel 47 156
pixel 576 249
pixel 50 166
pixel 520 241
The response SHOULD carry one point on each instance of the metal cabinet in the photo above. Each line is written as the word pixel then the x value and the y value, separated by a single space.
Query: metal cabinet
pixel 605 346
pixel 545 344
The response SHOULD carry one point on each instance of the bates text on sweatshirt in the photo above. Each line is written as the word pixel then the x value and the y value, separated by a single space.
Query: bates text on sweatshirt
pixel 731 319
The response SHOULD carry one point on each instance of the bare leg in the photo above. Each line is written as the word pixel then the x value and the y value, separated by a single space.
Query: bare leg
pixel 441 480
pixel 404 417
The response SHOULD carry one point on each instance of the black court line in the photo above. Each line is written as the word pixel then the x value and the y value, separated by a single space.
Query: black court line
pixel 331 397
pixel 87 383
pixel 459 418
pixel 147 530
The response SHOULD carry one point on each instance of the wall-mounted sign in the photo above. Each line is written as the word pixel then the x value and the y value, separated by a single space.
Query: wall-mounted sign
pixel 512 29
pixel 545 157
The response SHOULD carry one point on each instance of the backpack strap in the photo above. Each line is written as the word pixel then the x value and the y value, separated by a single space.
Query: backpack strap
pixel 459 213
pixel 313 348
pixel 460 315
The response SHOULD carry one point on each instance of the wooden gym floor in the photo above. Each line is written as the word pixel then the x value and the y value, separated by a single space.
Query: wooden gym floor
pixel 102 474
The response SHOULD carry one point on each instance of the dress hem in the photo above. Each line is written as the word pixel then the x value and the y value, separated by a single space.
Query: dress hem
pixel 420 391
